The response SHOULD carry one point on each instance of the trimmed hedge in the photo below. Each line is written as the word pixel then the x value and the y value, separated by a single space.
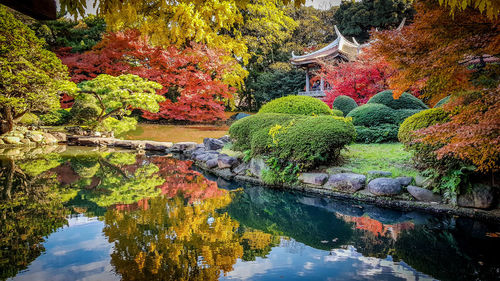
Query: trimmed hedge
pixel 405 101
pixel 305 140
pixel 242 130
pixel 84 111
pixel 344 104
pixel 419 121
pixel 370 115
pixel 402 114
pixel 302 105
pixel 29 119
pixel 309 141
pixel 377 134
pixel 336 112
pixel 442 102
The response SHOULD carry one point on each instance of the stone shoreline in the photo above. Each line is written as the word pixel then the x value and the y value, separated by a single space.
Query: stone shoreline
pixel 226 167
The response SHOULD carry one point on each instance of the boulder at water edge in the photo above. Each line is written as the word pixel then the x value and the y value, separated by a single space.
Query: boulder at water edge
pixel 226 161
pixel 313 178
pixel 422 194
pixel 212 144
pixel 481 197
pixel 346 182
pixel 384 186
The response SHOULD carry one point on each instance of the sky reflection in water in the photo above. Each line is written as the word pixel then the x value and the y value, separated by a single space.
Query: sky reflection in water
pixel 120 216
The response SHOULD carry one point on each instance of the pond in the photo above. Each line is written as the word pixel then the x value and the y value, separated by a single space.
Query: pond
pixel 175 133
pixel 70 213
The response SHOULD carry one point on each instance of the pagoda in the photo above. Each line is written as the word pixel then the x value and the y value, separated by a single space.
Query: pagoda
pixel 340 50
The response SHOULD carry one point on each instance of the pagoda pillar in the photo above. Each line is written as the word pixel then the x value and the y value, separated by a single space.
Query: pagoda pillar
pixel 322 85
pixel 307 79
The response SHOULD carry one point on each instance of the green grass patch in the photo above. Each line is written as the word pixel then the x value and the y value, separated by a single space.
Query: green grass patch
pixel 390 157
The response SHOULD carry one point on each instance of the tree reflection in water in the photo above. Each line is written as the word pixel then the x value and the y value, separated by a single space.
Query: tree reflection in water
pixel 168 222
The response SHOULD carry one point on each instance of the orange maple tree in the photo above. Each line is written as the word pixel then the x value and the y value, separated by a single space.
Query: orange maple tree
pixel 436 51
pixel 191 77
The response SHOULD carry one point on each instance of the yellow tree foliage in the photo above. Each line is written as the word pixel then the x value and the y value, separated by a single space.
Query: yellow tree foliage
pixel 490 7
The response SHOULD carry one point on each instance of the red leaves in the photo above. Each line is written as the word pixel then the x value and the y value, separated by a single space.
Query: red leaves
pixel 192 77
pixel 359 79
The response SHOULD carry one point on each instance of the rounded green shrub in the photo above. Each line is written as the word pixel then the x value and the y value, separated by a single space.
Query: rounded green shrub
pixel 241 130
pixel 56 118
pixel 442 102
pixel 29 119
pixel 377 134
pixel 336 112
pixel 402 114
pixel 344 104
pixel 370 115
pixel 419 121
pixel 405 101
pixel 311 141
pixel 84 110
pixel 302 105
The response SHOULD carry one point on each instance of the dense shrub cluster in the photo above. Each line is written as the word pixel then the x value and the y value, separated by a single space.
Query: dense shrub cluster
pixel 405 101
pixel 29 119
pixel 337 112
pixel 56 118
pixel 419 121
pixel 305 140
pixel 370 115
pixel 379 119
pixel 302 105
pixel 344 104
pixel 377 134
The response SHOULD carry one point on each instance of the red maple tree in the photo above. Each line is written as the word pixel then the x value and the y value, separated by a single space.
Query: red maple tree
pixel 360 79
pixel 191 77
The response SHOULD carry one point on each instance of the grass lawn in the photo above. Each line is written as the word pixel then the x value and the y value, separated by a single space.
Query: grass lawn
pixel 391 157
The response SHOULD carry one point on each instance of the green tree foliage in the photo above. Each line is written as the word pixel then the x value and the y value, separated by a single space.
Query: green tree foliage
pixel 79 35
pixel 356 18
pixel 302 105
pixel 117 96
pixel 30 76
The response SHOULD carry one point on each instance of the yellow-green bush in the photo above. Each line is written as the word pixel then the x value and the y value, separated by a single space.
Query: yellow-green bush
pixel 419 121
pixel 302 105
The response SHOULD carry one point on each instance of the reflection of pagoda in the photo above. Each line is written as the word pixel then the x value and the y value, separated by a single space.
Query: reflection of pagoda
pixel 376 227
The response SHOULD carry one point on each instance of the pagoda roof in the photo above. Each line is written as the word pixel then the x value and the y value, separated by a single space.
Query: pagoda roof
pixel 37 9
pixel 339 47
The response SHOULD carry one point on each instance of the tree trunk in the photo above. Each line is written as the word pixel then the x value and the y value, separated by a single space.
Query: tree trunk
pixel 7 124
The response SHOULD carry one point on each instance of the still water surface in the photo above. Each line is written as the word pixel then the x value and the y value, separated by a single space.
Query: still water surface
pixel 85 214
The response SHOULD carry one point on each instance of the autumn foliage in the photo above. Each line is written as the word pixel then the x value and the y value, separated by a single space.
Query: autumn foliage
pixel 192 78
pixel 472 134
pixel 360 79
pixel 436 51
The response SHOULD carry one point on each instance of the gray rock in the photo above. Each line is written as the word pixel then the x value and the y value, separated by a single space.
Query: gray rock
pixel 422 194
pixel 158 146
pixel 60 137
pixel 346 182
pixel 204 157
pixel 481 196
pixel 337 170
pixel 34 136
pixel 224 173
pixel 404 181
pixel 212 144
pixel 26 141
pixel 12 140
pixel 183 146
pixel 377 174
pixel 384 186
pixel 226 161
pixel 225 139
pixel 423 181
pixel 211 163
pixel 49 139
pixel 241 169
pixel 313 178
pixel 257 165
pixel 1 142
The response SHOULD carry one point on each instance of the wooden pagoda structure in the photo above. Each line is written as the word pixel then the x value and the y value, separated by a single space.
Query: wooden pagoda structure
pixel 340 50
